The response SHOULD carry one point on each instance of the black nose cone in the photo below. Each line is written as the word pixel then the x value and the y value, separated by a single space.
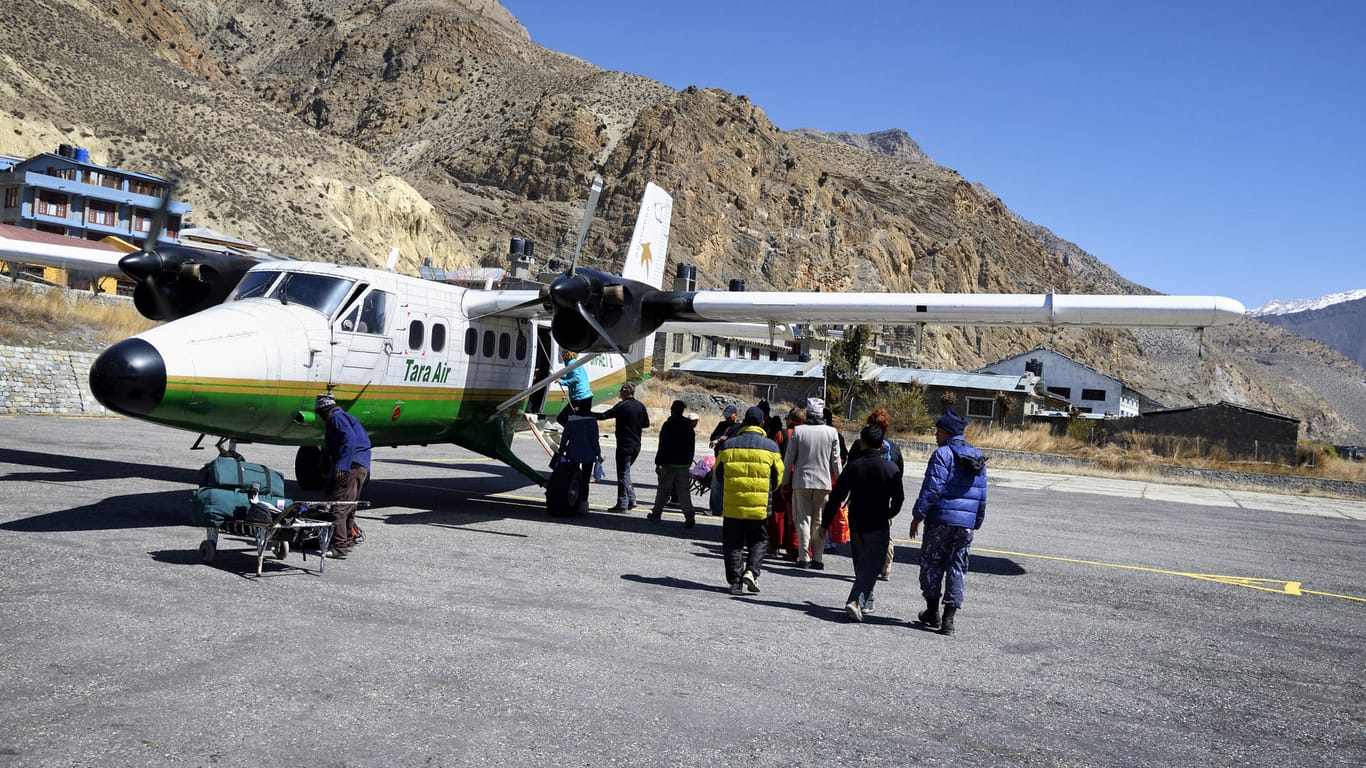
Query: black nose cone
pixel 129 378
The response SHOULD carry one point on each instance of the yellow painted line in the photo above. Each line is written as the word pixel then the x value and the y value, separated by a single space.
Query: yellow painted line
pixel 1278 586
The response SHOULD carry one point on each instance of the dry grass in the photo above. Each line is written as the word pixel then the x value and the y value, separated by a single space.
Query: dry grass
pixel 40 316
pixel 1136 459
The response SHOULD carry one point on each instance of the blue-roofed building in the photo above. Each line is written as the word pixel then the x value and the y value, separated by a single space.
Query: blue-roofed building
pixel 65 193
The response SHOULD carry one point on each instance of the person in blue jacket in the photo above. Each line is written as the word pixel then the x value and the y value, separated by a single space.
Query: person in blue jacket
pixel 348 446
pixel 576 387
pixel 952 505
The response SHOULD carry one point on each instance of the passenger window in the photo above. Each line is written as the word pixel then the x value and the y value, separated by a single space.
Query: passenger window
pixel 521 346
pixel 438 337
pixel 415 334
pixel 488 343
pixel 504 345
pixel 471 341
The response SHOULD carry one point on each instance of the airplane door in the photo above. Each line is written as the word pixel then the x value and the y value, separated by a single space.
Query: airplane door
pixel 361 341
pixel 544 345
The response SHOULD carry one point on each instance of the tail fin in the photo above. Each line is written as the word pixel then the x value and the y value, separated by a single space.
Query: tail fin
pixel 648 252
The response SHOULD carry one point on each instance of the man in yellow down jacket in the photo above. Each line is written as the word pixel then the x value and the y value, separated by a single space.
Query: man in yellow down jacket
pixel 748 469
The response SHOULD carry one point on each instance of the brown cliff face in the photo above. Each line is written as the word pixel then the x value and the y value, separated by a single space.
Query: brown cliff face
pixel 337 130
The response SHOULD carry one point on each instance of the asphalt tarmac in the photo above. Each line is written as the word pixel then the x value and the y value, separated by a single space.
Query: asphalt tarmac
pixel 1104 626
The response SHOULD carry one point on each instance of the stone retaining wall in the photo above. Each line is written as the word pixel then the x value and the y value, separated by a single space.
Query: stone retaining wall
pixel 47 381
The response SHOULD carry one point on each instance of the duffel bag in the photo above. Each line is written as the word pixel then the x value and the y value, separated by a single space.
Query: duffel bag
pixel 230 472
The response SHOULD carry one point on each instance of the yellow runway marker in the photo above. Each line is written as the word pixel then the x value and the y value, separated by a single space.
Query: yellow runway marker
pixel 1278 586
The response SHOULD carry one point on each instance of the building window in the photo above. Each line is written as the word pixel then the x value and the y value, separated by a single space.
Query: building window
pixel 1093 394
pixel 51 204
pixel 416 332
pixel 697 343
pixel 773 355
pixel 13 196
pixel 62 173
pixel 678 343
pixel 981 408
pixel 100 212
pixel 138 187
pixel 101 179
pixel 142 220
pixel 1063 392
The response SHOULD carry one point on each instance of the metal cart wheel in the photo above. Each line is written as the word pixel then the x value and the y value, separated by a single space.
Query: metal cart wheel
pixel 281 550
pixel 207 550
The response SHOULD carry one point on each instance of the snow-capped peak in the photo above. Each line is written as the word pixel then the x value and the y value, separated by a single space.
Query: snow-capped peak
pixel 1278 307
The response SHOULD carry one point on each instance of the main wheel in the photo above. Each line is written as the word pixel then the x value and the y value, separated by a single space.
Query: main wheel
pixel 309 471
pixel 566 493
pixel 207 550
pixel 281 550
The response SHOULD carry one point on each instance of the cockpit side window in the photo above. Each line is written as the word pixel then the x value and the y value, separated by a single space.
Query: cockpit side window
pixel 373 311
pixel 254 285
pixel 321 292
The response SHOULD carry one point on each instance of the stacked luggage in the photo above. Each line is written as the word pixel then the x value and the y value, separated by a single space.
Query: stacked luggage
pixel 225 485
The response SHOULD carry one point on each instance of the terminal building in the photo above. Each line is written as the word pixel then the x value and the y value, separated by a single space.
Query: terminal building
pixel 64 193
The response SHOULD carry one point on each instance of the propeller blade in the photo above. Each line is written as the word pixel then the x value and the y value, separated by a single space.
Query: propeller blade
pixel 159 220
pixel 588 208
pixel 593 323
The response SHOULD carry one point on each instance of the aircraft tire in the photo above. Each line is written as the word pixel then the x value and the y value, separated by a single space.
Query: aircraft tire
pixel 566 493
pixel 308 468
pixel 281 550
pixel 207 550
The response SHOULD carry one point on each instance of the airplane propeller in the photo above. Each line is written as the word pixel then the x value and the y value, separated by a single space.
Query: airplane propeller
pixel 173 280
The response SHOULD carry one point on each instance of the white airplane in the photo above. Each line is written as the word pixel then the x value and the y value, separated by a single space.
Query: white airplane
pixel 419 361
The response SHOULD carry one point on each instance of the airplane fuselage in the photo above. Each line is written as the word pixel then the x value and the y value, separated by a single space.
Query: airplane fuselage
pixel 401 354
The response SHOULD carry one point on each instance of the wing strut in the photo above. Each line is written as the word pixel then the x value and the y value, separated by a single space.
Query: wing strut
pixel 542 384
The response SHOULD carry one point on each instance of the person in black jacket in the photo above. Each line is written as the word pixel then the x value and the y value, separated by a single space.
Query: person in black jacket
pixel 632 419
pixel 677 442
pixel 873 486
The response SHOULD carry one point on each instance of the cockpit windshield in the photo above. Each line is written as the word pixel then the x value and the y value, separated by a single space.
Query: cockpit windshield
pixel 254 285
pixel 321 292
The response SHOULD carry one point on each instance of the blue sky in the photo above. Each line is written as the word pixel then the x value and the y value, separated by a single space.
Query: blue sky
pixel 1195 147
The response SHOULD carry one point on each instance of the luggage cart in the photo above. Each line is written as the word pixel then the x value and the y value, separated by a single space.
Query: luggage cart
pixel 297 525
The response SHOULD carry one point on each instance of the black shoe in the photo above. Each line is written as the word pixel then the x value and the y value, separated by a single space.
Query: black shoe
pixel 802 564
pixel 817 565
pixel 654 516
pixel 616 509
pixel 930 616
pixel 946 626
pixel 688 523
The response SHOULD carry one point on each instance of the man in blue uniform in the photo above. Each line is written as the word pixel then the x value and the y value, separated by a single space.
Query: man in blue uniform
pixel 952 504
pixel 348 446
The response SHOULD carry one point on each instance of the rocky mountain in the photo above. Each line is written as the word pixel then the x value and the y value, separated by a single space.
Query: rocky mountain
pixel 1337 320
pixel 335 130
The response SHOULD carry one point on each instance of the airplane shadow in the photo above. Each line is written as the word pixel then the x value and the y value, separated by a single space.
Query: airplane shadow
pixel 139 510
pixel 78 469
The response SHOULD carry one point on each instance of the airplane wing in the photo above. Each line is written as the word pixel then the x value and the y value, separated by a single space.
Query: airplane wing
pixel 30 246
pixel 1014 309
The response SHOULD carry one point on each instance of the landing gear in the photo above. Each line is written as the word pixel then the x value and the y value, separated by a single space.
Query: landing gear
pixel 567 491
pixel 309 471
